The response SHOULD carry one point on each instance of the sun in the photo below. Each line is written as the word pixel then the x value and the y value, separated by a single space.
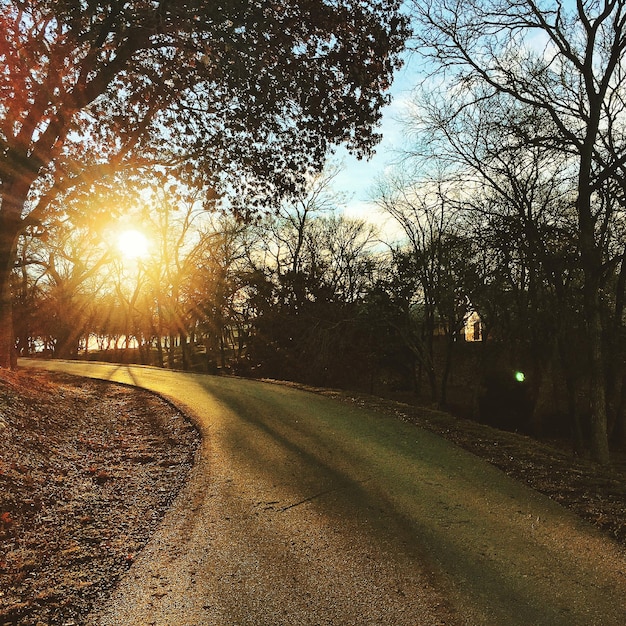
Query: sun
pixel 132 244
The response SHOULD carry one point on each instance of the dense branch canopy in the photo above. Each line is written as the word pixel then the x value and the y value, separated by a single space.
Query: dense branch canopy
pixel 251 94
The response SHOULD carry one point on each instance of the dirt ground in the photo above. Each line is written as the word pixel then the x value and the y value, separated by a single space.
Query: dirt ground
pixel 87 470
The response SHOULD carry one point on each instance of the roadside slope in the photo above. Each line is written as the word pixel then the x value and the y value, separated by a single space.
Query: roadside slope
pixel 304 511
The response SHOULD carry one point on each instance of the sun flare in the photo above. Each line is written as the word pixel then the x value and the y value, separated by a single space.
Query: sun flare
pixel 132 244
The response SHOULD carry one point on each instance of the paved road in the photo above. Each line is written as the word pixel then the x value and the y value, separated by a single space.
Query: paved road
pixel 299 511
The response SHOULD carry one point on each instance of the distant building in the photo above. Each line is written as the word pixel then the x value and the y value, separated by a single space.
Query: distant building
pixel 473 327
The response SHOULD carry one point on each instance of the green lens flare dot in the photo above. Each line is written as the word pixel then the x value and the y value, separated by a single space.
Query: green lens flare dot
pixel 520 377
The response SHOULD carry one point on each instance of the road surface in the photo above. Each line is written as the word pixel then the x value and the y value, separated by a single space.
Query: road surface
pixel 300 510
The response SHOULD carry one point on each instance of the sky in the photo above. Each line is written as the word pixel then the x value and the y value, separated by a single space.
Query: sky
pixel 357 177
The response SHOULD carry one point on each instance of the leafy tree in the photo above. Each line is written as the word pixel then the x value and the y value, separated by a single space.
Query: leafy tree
pixel 220 315
pixel 311 270
pixel 247 95
pixel 393 311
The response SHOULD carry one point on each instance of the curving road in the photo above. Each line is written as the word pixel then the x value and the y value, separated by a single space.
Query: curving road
pixel 302 511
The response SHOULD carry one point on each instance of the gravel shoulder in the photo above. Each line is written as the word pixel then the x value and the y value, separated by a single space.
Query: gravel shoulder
pixel 335 538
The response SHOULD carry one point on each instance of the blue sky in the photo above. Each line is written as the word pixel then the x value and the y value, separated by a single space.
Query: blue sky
pixel 357 177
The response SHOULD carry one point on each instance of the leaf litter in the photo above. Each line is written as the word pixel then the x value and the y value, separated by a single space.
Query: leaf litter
pixel 87 471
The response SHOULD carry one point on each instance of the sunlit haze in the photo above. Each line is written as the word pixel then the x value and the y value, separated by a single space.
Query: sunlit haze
pixel 132 244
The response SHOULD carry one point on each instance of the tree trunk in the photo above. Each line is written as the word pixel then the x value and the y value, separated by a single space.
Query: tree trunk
pixel 6 317
pixel 618 435
pixel 159 347
pixel 540 364
pixel 222 350
pixel 9 230
pixel 445 376
pixel 614 347
pixel 184 348
pixel 429 357
pixel 170 351
pixel 591 263
pixel 159 335
pixel 597 397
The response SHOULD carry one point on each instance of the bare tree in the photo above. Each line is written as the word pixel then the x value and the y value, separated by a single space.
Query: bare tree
pixel 427 212
pixel 564 62
pixel 66 273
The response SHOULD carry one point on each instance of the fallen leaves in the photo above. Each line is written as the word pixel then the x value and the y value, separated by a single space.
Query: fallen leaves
pixel 85 477
pixel 6 519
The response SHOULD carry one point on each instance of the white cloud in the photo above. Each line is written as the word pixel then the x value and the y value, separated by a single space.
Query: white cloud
pixel 357 179
pixel 387 228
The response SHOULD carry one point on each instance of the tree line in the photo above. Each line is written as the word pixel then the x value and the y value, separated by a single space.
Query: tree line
pixel 526 99
pixel 510 196
pixel 244 99
pixel 311 295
